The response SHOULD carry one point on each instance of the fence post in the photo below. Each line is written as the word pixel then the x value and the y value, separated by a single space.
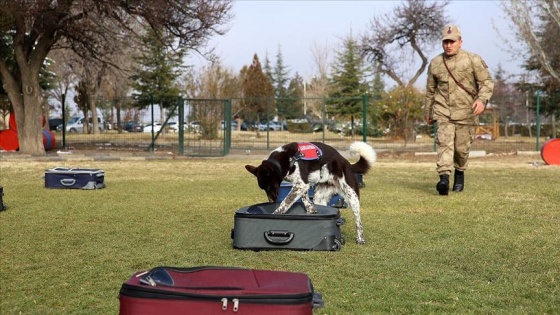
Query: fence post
pixel 364 118
pixel 64 121
pixel 538 119
pixel 267 123
pixel 227 126
pixel 152 145
pixel 181 123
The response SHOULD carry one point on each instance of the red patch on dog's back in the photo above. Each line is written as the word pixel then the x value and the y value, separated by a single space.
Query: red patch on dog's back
pixel 309 151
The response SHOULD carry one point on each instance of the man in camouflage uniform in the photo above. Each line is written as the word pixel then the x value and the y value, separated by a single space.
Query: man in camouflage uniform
pixel 458 89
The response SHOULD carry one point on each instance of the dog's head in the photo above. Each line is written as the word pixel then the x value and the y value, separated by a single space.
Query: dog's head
pixel 268 177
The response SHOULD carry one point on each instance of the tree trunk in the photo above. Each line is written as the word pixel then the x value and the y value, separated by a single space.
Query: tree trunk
pixel 553 122
pixel 95 123
pixel 29 115
pixel 118 110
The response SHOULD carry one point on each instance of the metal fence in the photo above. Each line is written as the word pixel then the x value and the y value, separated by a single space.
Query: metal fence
pixel 214 127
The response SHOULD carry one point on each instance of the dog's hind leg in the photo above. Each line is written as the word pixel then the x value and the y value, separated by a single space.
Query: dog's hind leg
pixel 354 203
pixel 323 193
pixel 298 190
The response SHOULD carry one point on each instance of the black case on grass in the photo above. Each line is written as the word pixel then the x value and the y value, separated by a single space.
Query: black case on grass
pixel 256 228
pixel 74 178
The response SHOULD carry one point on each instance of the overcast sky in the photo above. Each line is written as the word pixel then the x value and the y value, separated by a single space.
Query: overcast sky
pixel 262 26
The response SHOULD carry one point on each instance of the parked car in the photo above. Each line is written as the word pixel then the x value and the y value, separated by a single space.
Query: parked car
pixel 172 126
pixel 54 123
pixel 76 124
pixel 243 126
pixel 193 126
pixel 156 128
pixel 272 125
pixel 234 125
pixel 132 126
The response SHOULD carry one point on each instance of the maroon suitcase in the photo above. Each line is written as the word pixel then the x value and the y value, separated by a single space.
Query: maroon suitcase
pixel 218 290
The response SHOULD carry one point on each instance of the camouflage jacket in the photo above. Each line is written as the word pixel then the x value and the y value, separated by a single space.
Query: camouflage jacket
pixel 445 100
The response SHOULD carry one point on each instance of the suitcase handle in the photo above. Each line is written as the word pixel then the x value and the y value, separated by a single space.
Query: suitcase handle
pixel 279 237
pixel 68 181
pixel 59 168
pixel 318 300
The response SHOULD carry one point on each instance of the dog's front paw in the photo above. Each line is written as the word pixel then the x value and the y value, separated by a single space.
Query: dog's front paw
pixel 311 210
pixel 280 210
pixel 360 241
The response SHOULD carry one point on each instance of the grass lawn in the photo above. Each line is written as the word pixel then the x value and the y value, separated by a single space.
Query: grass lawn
pixel 493 249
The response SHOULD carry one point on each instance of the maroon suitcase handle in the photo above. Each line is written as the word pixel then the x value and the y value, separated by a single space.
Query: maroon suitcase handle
pixel 279 237
pixel 160 276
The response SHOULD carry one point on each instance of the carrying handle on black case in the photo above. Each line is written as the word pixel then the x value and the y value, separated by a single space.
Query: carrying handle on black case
pixel 67 182
pixel 60 168
pixel 278 237
pixel 318 300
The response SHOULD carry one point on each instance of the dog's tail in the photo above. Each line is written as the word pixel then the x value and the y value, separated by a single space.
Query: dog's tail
pixel 367 157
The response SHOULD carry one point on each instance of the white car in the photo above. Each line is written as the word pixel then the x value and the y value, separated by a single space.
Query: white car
pixel 76 124
pixel 172 125
pixel 272 126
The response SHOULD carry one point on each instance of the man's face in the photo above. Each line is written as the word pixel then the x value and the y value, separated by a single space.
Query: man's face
pixel 451 47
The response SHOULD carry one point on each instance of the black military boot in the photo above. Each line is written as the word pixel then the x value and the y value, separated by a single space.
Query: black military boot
pixel 458 181
pixel 443 185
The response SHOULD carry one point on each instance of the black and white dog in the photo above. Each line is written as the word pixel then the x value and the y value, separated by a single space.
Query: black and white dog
pixel 305 163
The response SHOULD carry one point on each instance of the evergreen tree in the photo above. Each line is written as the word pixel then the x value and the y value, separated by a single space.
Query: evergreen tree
pixel 294 103
pixel 280 81
pixel 348 82
pixel 258 92
pixel 375 102
pixel 159 67
pixel 267 69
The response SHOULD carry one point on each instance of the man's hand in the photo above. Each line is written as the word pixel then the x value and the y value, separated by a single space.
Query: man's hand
pixel 429 119
pixel 478 107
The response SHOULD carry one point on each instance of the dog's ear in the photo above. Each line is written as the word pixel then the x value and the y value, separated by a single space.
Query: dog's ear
pixel 251 169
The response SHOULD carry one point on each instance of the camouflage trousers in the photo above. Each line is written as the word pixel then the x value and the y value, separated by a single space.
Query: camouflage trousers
pixel 453 146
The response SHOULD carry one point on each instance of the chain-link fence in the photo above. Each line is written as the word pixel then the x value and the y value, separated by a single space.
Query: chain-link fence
pixel 217 127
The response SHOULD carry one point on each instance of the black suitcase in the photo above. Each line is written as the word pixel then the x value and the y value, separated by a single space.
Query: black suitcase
pixel 74 178
pixel 256 228
pixel 2 206
pixel 336 201
pixel 218 290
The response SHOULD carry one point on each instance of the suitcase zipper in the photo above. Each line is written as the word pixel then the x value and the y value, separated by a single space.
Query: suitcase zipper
pixel 235 304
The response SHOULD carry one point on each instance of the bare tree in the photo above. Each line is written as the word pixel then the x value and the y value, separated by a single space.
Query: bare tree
pixel 527 17
pixel 396 40
pixel 212 81
pixel 64 79
pixel 32 28
pixel 116 88
pixel 318 88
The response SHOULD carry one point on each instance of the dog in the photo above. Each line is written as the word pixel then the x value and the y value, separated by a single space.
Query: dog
pixel 306 163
